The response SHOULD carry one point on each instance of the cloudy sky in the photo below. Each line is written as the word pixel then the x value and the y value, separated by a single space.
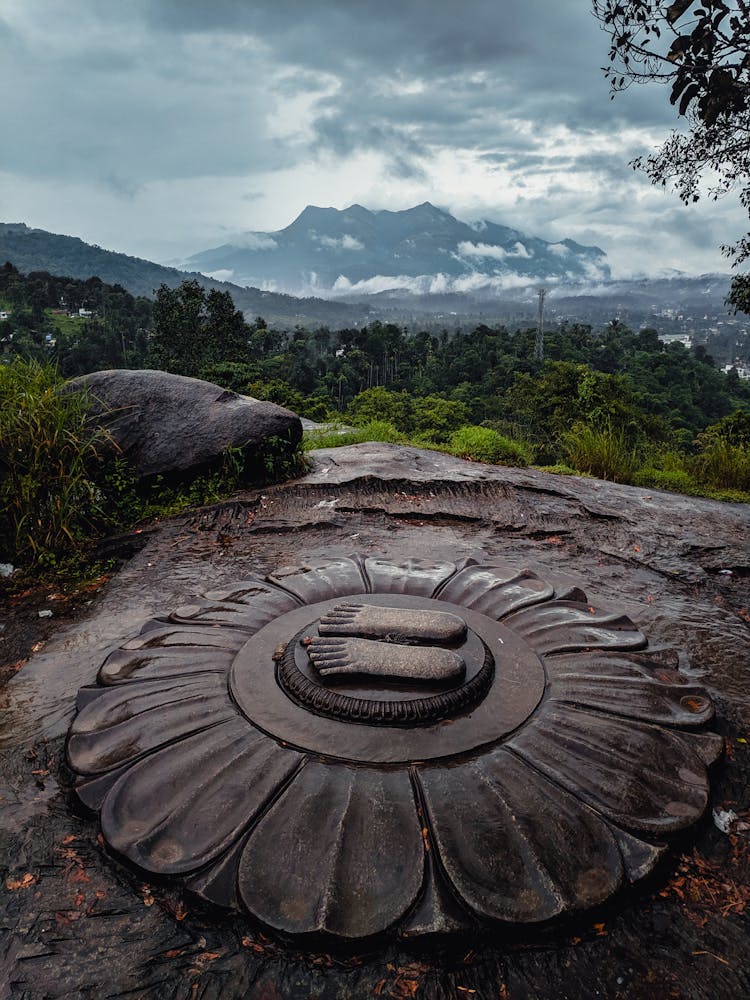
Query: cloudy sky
pixel 164 127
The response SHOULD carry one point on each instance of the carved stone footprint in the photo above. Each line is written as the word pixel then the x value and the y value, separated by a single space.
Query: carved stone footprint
pixel 339 656
pixel 397 625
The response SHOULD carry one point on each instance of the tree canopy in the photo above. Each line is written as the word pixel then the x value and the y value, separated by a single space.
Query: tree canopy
pixel 701 48
pixel 193 328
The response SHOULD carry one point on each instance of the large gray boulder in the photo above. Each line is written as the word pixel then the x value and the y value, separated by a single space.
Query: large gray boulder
pixel 170 424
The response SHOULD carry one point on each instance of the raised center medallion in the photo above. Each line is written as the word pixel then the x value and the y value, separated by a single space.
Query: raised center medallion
pixel 373 661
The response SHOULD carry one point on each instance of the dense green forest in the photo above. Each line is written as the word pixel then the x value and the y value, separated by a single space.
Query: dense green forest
pixel 655 405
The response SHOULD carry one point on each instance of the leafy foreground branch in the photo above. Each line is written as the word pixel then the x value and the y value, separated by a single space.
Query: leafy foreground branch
pixel 701 48
pixel 63 485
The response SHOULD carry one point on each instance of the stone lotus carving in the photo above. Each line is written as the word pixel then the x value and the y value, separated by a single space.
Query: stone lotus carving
pixel 540 781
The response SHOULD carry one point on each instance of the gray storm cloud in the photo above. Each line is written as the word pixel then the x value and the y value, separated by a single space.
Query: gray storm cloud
pixel 143 125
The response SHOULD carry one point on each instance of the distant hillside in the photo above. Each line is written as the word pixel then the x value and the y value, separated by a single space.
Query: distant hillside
pixel 691 306
pixel 422 249
pixel 37 250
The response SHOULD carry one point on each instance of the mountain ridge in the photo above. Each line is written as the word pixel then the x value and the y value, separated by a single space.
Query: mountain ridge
pixel 330 251
pixel 659 302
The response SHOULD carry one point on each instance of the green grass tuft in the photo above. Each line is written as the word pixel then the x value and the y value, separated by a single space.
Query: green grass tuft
pixel 51 457
pixel 331 437
pixel 482 444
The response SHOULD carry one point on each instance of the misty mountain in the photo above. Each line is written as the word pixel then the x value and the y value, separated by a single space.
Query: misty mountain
pixel 678 305
pixel 420 250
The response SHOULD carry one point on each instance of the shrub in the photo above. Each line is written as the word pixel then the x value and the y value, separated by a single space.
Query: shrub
pixel 482 444
pixel 604 452
pixel 674 480
pixel 723 459
pixel 734 429
pixel 278 391
pixel 435 418
pixel 381 404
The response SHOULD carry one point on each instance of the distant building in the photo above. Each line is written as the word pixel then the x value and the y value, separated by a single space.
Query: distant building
pixel 742 370
pixel 677 338
pixel 85 313
pixel 4 314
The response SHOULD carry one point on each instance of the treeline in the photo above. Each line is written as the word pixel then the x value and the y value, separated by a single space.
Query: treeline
pixel 44 325
pixel 422 384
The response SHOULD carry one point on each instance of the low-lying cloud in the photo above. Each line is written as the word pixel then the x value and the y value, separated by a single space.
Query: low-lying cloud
pixel 345 242
pixel 466 249
pixel 426 284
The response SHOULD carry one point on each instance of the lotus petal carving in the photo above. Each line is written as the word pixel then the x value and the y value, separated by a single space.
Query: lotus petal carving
pixel 517 810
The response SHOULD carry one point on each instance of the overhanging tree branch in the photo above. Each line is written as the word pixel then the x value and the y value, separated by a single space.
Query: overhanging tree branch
pixel 701 48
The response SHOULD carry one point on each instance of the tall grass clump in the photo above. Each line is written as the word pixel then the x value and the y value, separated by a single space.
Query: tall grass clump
pixel 665 468
pixel 723 465
pixel 51 457
pixel 603 451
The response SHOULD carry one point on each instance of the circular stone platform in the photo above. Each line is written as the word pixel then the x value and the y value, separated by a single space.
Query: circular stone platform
pixel 360 745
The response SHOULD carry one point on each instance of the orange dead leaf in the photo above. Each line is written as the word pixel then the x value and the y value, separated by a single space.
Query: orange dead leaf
pixel 24 882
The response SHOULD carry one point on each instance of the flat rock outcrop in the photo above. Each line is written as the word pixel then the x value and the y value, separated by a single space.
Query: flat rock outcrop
pixel 169 424
pixel 679 567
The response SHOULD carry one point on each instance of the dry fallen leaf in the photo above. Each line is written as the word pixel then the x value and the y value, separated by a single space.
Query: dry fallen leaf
pixel 23 883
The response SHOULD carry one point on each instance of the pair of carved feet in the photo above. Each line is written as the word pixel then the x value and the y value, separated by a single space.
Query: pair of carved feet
pixel 392 643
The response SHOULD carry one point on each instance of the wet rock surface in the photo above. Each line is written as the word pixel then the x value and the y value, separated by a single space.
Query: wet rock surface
pixel 167 423
pixel 76 923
